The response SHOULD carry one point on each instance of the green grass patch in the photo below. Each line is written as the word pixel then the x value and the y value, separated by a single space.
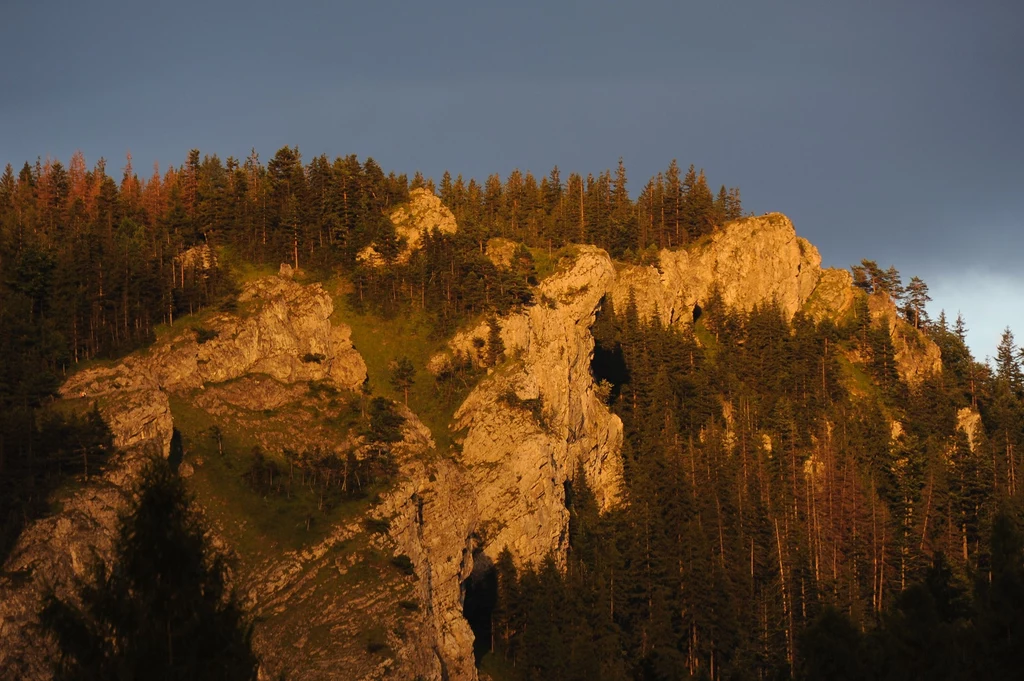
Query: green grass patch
pixel 73 406
pixel 706 339
pixel 256 523
pixel 547 262
pixel 86 364
pixel 183 324
pixel 382 342
pixel 242 269
pixel 855 378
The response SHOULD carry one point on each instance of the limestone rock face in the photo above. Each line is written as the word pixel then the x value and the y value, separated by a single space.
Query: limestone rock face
pixel 432 518
pixel 201 258
pixel 523 432
pixel 423 213
pixel 285 333
pixel 501 252
pixel 529 426
pixel 554 345
pixel 833 296
pixel 56 550
pixel 753 261
pixel 969 421
pixel 917 356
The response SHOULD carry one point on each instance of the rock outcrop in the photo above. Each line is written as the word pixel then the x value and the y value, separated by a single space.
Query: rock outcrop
pixel 833 297
pixel 530 425
pixel 54 551
pixel 757 261
pixel 423 213
pixel 314 606
pixel 501 252
pixel 968 421
pixel 201 258
pixel 536 417
pixel 916 355
pixel 283 330
pixel 752 261
pixel 523 432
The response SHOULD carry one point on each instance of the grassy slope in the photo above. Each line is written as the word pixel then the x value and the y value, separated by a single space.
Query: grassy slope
pixel 341 606
pixel 382 341
pixel 254 524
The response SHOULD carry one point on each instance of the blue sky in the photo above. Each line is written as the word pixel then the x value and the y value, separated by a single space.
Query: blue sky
pixel 885 130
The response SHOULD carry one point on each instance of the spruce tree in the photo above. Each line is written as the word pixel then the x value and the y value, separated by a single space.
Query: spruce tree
pixel 917 297
pixel 1008 367
pixel 162 609
pixel 403 376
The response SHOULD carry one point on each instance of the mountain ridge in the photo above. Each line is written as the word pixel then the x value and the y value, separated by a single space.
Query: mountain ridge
pixel 529 424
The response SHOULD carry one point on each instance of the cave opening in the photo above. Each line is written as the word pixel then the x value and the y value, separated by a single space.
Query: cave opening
pixel 609 364
pixel 479 600
pixel 697 312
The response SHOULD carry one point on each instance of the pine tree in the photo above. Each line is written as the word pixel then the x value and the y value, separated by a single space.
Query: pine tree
pixel 960 328
pixel 831 649
pixel 162 609
pixel 403 376
pixel 892 283
pixel 917 297
pixel 506 618
pixel 868 276
pixel 1008 366
pixel 1001 599
pixel 495 346
pixel 622 217
pixel 447 190
pixel 674 204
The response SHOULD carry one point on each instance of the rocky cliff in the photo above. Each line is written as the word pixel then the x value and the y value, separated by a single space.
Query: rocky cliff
pixel 282 330
pixel 528 427
pixel 424 212
pixel 756 260
pixel 917 356
pixel 523 433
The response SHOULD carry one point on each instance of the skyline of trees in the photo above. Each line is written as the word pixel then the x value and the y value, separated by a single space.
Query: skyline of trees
pixel 115 250
pixel 835 511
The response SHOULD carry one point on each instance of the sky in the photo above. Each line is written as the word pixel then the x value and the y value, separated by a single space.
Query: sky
pixel 884 130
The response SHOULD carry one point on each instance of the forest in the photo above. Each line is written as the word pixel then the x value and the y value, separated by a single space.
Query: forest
pixel 90 266
pixel 774 526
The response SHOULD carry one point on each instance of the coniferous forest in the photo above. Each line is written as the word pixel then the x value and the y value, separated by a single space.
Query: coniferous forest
pixel 775 526
pixel 776 522
pixel 90 265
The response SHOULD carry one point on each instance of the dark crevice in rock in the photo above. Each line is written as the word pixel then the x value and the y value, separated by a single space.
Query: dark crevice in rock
pixel 609 364
pixel 177 451
pixel 480 596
